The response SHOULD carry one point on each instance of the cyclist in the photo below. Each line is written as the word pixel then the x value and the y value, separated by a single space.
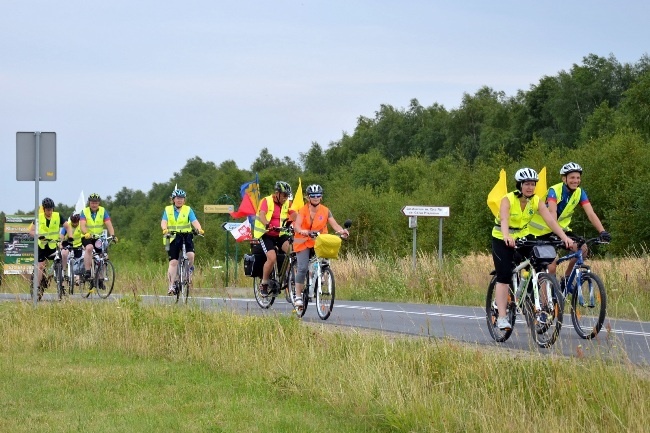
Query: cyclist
pixel 48 227
pixel 273 212
pixel 179 217
pixel 562 200
pixel 516 210
pixel 92 221
pixel 312 217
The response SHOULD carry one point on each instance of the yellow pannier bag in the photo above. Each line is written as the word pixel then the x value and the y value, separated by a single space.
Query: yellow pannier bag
pixel 327 246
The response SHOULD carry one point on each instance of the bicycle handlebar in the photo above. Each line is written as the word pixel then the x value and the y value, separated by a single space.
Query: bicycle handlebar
pixel 523 242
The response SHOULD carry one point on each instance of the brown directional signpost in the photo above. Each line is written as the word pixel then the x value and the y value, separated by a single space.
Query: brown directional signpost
pixel 413 212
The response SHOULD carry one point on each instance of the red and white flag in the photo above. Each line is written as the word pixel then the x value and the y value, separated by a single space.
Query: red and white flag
pixel 242 232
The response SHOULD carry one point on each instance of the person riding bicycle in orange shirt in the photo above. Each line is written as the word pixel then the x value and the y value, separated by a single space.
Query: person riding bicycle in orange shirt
pixel 312 217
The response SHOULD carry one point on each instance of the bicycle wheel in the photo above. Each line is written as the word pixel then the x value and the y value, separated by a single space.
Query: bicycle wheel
pixel 290 290
pixel 262 301
pixel 588 305
pixel 325 293
pixel 492 313
pixel 546 323
pixel 58 278
pixel 104 279
pixel 185 286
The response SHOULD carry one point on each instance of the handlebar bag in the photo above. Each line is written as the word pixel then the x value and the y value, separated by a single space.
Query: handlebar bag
pixel 327 246
pixel 543 254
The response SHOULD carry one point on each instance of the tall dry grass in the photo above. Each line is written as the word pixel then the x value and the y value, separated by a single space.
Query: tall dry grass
pixel 458 281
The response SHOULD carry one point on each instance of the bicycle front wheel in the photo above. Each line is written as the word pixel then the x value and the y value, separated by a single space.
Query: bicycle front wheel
pixel 104 279
pixel 58 278
pixel 325 293
pixel 263 301
pixel 186 282
pixel 588 305
pixel 545 323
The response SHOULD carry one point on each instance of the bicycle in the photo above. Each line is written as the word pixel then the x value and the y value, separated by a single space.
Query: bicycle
pixel 587 293
pixel 102 271
pixel 183 281
pixel 279 279
pixel 532 292
pixel 319 283
pixel 49 274
pixel 75 270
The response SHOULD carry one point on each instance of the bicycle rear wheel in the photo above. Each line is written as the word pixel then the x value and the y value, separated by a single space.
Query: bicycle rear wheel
pixel 325 293
pixel 546 323
pixel 104 279
pixel 492 313
pixel 588 306
pixel 58 278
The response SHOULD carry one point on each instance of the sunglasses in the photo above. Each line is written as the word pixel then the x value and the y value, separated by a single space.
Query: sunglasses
pixel 315 195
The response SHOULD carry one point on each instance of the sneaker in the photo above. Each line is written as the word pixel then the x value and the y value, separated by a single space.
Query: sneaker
pixel 101 285
pixel 264 289
pixel 191 270
pixel 503 324
pixel 298 302
pixel 171 291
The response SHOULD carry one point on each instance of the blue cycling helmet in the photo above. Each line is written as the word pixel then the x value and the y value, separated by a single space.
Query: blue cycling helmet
pixel 178 193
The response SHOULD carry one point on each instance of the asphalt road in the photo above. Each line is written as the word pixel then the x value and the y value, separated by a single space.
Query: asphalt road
pixel 619 340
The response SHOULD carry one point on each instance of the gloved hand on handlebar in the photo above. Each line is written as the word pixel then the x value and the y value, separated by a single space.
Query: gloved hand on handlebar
pixel 114 239
pixel 605 236
pixel 201 231
pixel 165 231
pixel 87 235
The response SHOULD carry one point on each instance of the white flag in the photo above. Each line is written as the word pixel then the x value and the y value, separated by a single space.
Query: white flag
pixel 242 232
pixel 81 203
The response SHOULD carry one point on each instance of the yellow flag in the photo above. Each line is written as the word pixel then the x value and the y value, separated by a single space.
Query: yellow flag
pixel 497 193
pixel 298 201
pixel 541 189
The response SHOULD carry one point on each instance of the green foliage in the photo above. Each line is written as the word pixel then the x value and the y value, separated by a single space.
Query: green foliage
pixel 596 113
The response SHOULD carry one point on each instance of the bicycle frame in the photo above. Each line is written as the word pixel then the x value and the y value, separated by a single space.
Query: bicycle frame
pixel 182 284
pixel 575 278
pixel 537 296
pixel 279 278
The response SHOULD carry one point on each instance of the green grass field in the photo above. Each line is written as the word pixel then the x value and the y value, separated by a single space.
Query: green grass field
pixel 120 366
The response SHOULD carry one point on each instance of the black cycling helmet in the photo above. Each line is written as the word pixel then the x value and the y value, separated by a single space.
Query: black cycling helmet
pixel 283 187
pixel 94 197
pixel 48 203
pixel 74 218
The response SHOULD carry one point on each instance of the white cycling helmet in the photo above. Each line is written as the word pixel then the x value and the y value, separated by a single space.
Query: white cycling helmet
pixel 314 189
pixel 570 167
pixel 526 175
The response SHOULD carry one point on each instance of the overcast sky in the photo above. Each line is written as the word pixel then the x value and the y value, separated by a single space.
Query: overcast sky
pixel 134 89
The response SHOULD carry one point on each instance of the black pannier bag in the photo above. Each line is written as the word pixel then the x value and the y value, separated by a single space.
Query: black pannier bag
pixel 254 264
pixel 543 254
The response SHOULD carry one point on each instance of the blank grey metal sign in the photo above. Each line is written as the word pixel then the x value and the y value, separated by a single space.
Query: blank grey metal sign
pixel 27 154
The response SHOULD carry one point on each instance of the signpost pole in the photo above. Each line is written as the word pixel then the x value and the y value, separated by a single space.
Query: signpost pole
pixel 440 243
pixel 37 165
pixel 415 237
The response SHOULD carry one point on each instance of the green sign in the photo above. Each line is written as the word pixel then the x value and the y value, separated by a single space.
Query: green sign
pixel 18 245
